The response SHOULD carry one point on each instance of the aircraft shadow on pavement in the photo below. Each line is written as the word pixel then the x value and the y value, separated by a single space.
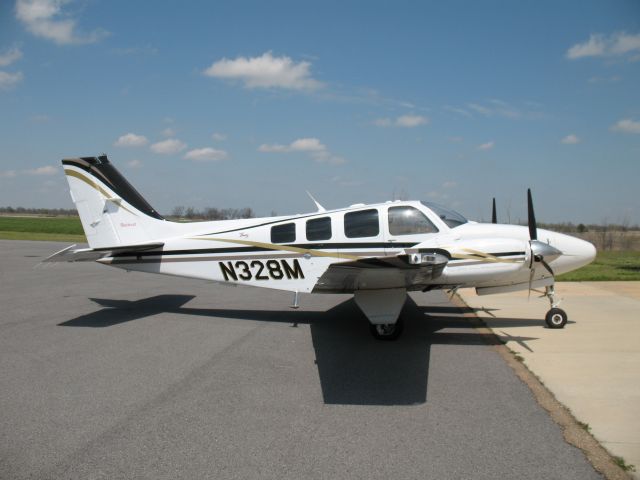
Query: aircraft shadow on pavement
pixel 354 368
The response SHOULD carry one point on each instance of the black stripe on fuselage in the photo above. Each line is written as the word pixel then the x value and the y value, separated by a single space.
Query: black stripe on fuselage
pixel 250 249
pixel 307 246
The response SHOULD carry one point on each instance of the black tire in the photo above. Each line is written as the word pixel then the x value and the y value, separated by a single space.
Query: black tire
pixel 556 318
pixel 387 332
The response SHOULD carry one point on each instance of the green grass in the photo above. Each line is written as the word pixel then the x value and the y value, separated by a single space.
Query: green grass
pixel 608 266
pixel 624 465
pixel 67 229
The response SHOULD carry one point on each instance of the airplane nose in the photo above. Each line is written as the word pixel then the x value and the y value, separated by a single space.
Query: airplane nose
pixel 585 250
pixel 576 253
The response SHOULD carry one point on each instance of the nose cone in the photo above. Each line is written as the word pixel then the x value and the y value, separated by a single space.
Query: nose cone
pixel 576 252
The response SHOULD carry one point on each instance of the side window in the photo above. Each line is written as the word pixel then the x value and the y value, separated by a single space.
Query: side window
pixel 409 221
pixel 319 228
pixel 361 224
pixel 283 233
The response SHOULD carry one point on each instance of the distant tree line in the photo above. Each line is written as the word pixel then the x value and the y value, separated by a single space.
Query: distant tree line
pixel 211 213
pixel 38 211
pixel 569 227
pixel 178 213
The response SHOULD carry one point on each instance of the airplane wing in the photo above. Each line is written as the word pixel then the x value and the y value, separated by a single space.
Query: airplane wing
pixel 413 271
pixel 71 254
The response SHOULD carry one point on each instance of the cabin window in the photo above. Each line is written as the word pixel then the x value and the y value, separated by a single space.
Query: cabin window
pixel 361 224
pixel 283 233
pixel 409 221
pixel 319 228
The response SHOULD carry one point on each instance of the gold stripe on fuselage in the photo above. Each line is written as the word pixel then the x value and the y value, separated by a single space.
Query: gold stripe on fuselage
pixel 285 248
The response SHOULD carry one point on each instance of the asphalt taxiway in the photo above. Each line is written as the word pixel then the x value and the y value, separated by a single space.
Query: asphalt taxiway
pixel 108 374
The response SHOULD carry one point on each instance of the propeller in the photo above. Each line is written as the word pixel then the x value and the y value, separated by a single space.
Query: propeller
pixel 494 216
pixel 540 252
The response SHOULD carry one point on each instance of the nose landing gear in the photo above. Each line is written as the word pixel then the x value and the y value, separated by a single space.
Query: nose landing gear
pixel 555 317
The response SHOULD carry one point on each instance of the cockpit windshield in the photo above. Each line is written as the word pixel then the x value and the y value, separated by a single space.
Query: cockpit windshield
pixel 452 218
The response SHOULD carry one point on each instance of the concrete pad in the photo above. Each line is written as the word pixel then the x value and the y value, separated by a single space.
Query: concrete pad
pixel 592 365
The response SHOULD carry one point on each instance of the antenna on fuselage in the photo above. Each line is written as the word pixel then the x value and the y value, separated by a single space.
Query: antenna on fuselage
pixel 318 206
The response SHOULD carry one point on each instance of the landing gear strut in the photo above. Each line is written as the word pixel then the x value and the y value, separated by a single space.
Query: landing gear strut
pixel 555 317
pixel 382 309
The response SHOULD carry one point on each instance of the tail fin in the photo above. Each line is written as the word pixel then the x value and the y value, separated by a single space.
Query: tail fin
pixel 112 212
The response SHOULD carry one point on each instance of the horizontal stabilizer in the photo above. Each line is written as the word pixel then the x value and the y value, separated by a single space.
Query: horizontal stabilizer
pixel 71 254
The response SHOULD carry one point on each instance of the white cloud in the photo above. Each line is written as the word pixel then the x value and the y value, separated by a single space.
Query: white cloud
pixel 495 107
pixel 206 154
pixel 316 149
pixel 403 121
pixel 135 163
pixel 219 137
pixel 8 174
pixel 9 80
pixel 168 132
pixel 571 139
pixel 626 126
pixel 10 56
pixel 410 121
pixel 170 146
pixel 449 184
pixel 299 145
pixel 46 170
pixel 131 140
pixel 274 147
pixel 307 145
pixel 265 71
pixel 459 111
pixel 480 109
pixel 599 45
pixel 486 146
pixel 45 18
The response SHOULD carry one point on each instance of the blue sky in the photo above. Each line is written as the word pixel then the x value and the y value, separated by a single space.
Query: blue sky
pixel 234 104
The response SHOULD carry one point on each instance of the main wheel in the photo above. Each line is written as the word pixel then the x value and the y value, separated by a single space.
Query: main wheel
pixel 388 331
pixel 556 318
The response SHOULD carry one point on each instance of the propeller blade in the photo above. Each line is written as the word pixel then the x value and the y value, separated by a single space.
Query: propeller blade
pixel 546 265
pixel 494 216
pixel 533 228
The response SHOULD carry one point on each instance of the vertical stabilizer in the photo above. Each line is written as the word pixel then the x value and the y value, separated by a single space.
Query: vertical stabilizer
pixel 112 211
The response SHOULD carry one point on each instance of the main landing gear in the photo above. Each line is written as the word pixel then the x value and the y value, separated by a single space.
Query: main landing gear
pixel 387 331
pixel 382 309
pixel 555 317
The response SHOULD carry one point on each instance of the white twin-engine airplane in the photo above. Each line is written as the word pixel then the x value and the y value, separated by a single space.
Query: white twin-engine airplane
pixel 377 252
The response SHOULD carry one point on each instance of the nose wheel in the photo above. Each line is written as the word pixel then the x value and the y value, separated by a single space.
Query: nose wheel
pixel 555 317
